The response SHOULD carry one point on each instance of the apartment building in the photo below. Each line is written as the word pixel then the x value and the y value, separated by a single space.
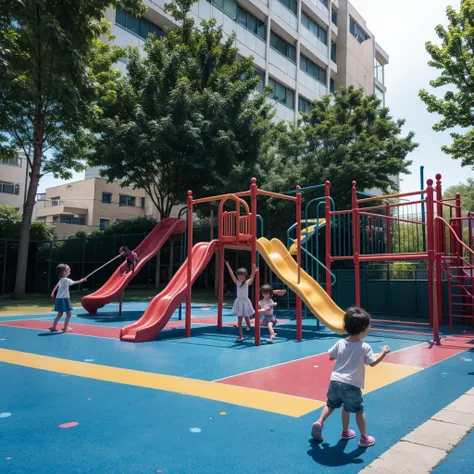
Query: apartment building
pixel 13 181
pixel 303 49
pixel 89 205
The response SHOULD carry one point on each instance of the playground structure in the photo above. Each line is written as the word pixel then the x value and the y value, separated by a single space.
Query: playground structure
pixel 367 233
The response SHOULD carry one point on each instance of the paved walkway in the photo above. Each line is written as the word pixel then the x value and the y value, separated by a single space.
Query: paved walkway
pixel 420 451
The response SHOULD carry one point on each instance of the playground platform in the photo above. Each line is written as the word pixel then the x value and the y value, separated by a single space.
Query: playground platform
pixel 87 402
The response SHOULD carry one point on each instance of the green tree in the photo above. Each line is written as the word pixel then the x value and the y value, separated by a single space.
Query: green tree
pixel 48 88
pixel 466 190
pixel 10 223
pixel 454 58
pixel 185 117
pixel 349 138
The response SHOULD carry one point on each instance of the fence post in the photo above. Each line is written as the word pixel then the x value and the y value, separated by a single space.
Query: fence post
pixel 83 260
pixel 49 262
pixel 5 248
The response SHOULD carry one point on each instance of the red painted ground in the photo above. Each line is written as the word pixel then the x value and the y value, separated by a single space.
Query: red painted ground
pixel 423 356
pixel 299 378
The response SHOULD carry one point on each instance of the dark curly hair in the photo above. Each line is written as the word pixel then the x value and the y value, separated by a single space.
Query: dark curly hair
pixel 356 321
pixel 266 289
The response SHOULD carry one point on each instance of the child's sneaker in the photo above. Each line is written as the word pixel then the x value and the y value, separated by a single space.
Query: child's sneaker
pixel 349 434
pixel 366 441
pixel 316 431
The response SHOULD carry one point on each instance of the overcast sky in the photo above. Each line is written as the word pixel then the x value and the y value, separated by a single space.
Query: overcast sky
pixel 402 27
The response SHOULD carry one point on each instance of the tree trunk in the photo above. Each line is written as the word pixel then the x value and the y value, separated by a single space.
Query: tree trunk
pixel 25 227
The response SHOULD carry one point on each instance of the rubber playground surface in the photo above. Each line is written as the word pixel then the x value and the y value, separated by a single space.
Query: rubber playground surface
pixel 87 402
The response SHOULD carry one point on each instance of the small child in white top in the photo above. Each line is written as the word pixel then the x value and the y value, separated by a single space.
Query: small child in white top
pixel 348 377
pixel 242 307
pixel 63 302
pixel 267 305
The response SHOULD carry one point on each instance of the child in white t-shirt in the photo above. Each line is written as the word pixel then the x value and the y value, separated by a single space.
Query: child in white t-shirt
pixel 63 301
pixel 348 377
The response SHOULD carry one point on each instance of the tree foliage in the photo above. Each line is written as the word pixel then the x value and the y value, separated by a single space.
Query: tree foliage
pixel 454 58
pixel 466 190
pixel 350 137
pixel 185 117
pixel 49 88
pixel 10 221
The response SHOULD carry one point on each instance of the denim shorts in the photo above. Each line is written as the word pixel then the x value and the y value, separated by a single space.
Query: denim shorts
pixel 340 394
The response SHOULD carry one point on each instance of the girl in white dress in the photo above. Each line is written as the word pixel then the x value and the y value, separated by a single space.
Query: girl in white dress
pixel 242 307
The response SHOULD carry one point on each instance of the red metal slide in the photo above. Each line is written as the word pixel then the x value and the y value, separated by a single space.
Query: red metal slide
pixel 162 307
pixel 150 245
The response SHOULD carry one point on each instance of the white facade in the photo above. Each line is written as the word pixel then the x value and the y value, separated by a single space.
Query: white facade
pixel 281 36
pixel 13 181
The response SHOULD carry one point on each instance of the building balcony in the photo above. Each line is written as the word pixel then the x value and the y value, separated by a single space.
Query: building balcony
pixel 59 208
pixel 317 7
pixel 285 18
pixel 310 87
pixel 314 46
pixel 282 68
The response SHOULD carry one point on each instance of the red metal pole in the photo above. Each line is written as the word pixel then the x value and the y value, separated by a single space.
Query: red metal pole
pixel 190 264
pixel 389 231
pixel 356 241
pixel 299 317
pixel 253 226
pixel 440 242
pixel 431 260
pixel 459 224
pixel 439 211
pixel 220 290
pixel 327 212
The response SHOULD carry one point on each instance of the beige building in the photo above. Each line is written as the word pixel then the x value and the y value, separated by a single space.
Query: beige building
pixel 13 177
pixel 89 205
pixel 360 59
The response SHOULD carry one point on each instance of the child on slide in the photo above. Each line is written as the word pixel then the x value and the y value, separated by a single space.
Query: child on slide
pixel 130 257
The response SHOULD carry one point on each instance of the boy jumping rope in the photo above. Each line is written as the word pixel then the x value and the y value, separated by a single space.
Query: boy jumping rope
pixel 348 377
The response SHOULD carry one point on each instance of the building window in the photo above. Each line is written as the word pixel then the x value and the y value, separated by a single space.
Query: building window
pixel 380 95
pixel 324 2
pixel 312 69
pixel 331 86
pixel 261 83
pixel 41 219
pixel 282 94
pixel 55 219
pixel 229 7
pixel 127 201
pixel 251 23
pixel 56 201
pixel 283 47
pixel 142 203
pixel 290 4
pixel 9 188
pixel 304 105
pixel 379 71
pixel 357 32
pixel 312 26
pixel 138 26
pixel 334 17
pixel 333 52
pixel 107 198
pixel 69 220
pixel 12 162
pixel 104 223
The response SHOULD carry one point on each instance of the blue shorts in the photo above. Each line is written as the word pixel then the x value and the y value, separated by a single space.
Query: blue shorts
pixel 343 394
pixel 63 305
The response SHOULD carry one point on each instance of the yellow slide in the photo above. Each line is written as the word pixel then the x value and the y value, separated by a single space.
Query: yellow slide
pixel 318 301
pixel 308 232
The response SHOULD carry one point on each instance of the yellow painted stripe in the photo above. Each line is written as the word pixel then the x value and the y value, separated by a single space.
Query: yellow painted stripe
pixel 385 374
pixel 247 397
